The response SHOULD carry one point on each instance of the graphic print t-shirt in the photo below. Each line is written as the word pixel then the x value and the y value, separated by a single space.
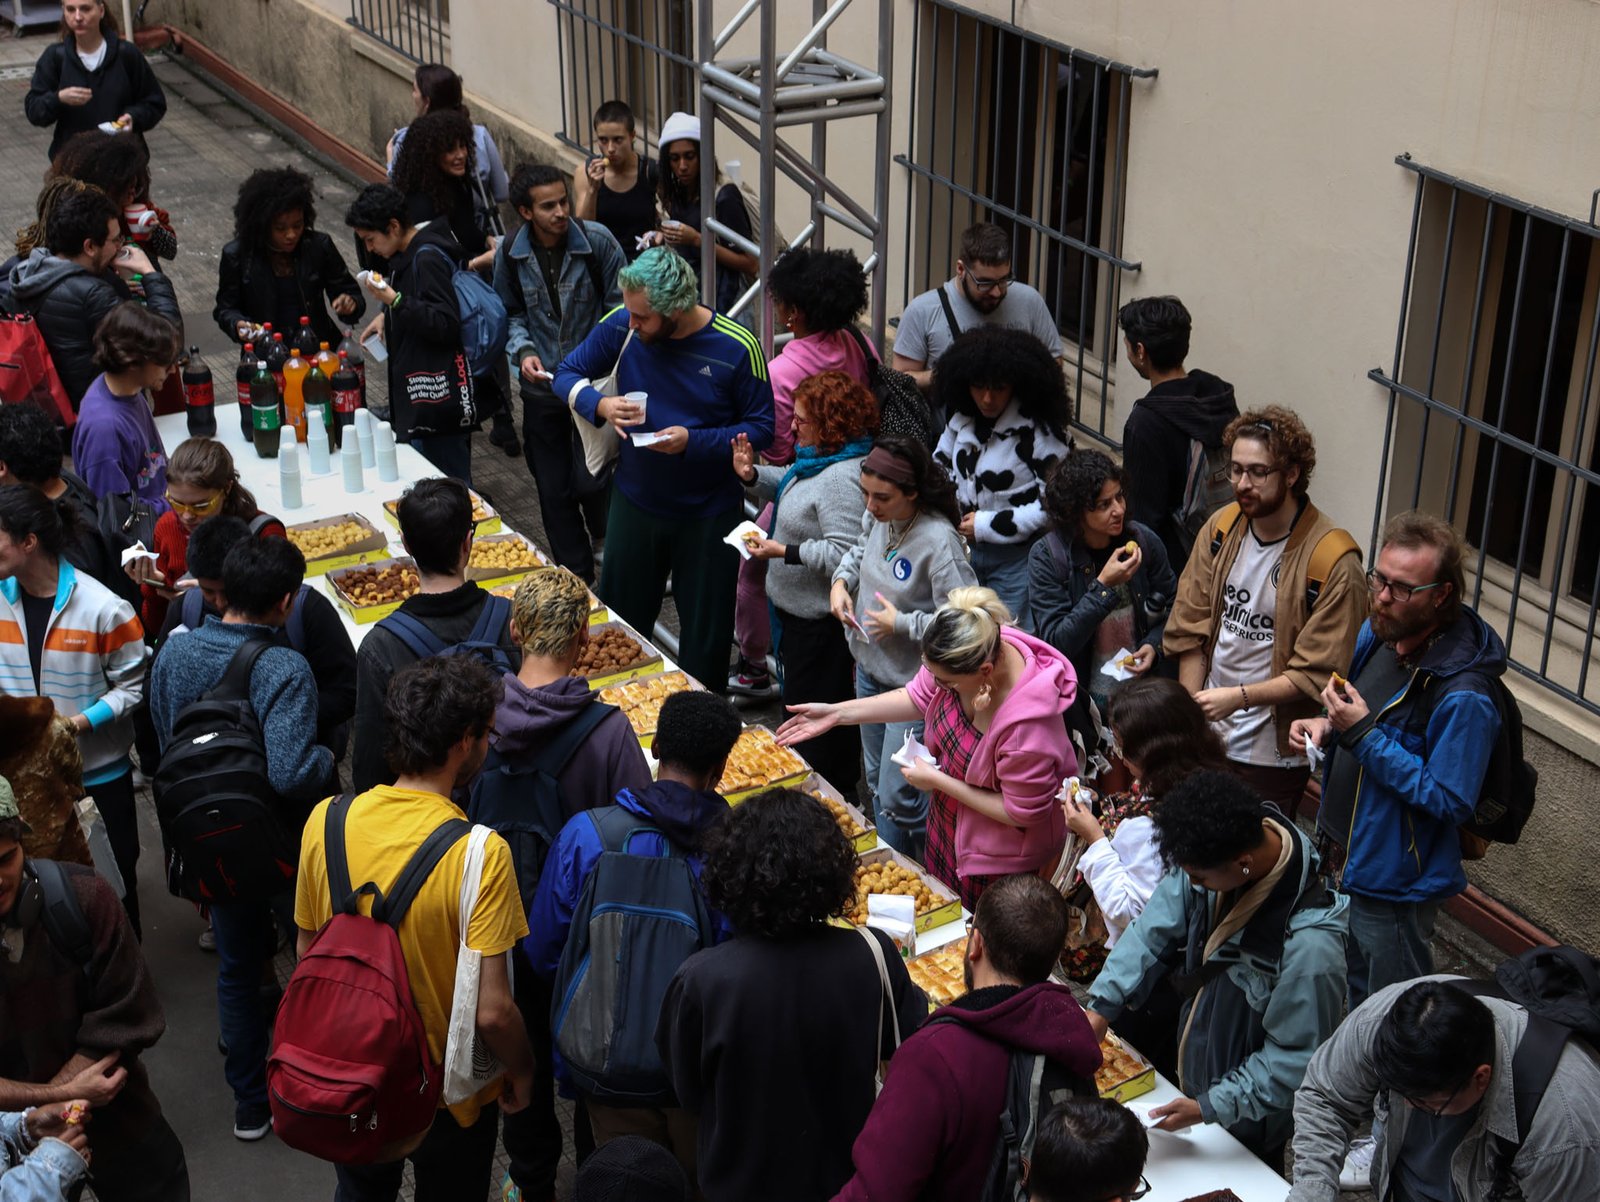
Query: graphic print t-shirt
pixel 1243 653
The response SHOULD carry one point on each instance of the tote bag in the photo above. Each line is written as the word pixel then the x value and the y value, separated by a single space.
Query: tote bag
pixel 598 446
pixel 469 1066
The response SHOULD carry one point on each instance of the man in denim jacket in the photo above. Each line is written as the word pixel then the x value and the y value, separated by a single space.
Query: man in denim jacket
pixel 557 278
pixel 43 1152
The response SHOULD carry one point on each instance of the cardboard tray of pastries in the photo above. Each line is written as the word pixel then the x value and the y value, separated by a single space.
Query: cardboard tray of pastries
pixel 374 590
pixel 508 590
pixel 1124 1073
pixel 757 763
pixel 941 973
pixel 338 542
pixel 616 652
pixel 484 519
pixel 857 826
pixel 887 871
pixel 507 556
pixel 640 699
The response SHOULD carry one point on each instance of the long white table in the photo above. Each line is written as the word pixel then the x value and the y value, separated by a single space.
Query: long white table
pixel 1193 1162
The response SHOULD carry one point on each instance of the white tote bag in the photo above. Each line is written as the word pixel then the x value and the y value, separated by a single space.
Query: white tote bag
pixel 885 1001
pixel 601 444
pixel 468 1063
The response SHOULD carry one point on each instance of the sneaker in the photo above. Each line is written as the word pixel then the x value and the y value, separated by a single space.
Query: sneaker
pixel 1357 1171
pixel 751 680
pixel 251 1121
pixel 509 1191
pixel 505 437
pixel 207 940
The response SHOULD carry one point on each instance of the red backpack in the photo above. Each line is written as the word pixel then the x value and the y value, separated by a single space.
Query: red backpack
pixel 350 1077
pixel 27 373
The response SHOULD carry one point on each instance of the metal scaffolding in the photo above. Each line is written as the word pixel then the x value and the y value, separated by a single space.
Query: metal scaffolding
pixel 757 98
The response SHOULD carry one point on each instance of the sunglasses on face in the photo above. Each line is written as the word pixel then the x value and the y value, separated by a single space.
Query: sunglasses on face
pixel 200 508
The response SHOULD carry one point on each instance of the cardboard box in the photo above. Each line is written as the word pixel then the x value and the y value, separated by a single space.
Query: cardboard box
pixel 759 737
pixel 939 973
pixel 363 614
pixel 867 839
pixel 650 662
pixel 643 711
pixel 1117 1082
pixel 506 574
pixel 369 549
pixel 598 614
pixel 949 907
pixel 484 519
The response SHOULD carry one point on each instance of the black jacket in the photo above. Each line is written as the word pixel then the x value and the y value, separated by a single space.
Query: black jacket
pixel 245 290
pixel 1155 448
pixel 88 550
pixel 68 304
pixel 124 83
pixel 423 334
pixel 451 616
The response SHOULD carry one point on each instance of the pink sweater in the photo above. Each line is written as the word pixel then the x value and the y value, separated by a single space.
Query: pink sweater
pixel 1023 756
pixel 798 361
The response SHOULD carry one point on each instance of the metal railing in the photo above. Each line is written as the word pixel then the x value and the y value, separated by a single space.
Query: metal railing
pixel 1032 135
pixel 418 29
pixel 1491 415
pixel 636 51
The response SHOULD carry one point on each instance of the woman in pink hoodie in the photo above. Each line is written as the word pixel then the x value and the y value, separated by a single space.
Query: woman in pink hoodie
pixel 993 700
pixel 817 295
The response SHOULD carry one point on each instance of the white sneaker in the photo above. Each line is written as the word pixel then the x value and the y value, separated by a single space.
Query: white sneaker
pixel 1357 1171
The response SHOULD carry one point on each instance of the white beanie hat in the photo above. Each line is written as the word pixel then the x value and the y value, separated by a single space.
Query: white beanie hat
pixel 680 126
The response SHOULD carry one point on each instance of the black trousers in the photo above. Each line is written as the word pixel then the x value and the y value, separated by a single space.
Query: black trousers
pixel 151 1170
pixel 533 1136
pixel 453 1162
pixel 817 666
pixel 116 803
pixel 570 521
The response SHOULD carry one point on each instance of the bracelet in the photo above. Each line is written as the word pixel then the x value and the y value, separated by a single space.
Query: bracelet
pixel 1243 693
pixel 395 301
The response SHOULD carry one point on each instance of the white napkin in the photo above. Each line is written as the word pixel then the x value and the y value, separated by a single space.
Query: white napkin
pixel 1115 669
pixel 1314 755
pixel 912 751
pixel 735 537
pixel 643 438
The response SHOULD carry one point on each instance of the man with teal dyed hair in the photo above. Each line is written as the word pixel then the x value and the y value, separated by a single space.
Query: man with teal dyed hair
pixel 675 494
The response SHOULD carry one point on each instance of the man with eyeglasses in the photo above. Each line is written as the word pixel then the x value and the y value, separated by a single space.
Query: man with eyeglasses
pixel 1438 1063
pixel 1268 605
pixel 983 291
pixel 1089 1150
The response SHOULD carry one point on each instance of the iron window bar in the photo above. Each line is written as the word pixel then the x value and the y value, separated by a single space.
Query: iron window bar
pixel 414 29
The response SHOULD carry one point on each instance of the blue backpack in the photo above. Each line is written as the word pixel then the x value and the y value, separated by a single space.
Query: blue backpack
pixel 637 920
pixel 192 612
pixel 487 639
pixel 485 325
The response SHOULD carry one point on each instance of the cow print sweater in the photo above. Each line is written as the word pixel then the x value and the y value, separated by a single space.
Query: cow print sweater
pixel 999 469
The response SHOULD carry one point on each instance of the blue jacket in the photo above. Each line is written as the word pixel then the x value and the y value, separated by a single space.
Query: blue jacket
pixel 536 329
pixel 1421 772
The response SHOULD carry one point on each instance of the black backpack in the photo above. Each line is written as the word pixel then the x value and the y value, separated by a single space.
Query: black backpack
pixel 218 811
pixel 1206 489
pixel 522 802
pixel 487 639
pixel 60 914
pixel 902 409
pixel 1559 987
pixel 1034 1083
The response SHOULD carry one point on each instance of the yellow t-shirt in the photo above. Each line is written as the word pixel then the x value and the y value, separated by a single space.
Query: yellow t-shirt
pixel 383 830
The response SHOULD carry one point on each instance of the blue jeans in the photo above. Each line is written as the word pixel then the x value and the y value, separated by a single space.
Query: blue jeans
pixel 1004 568
pixel 246 939
pixel 450 453
pixel 900 811
pixel 1389 942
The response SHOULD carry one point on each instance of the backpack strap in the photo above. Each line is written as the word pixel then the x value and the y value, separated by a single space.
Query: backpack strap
pixel 554 755
pixel 1330 549
pixel 949 313
pixel 1058 551
pixel 62 916
pixel 392 907
pixel 1226 517
pixel 493 621
pixel 295 628
pixel 260 522
pixel 617 826
pixel 418 639
pixel 235 682
pixel 192 609
pixel 341 900
pixel 1533 1063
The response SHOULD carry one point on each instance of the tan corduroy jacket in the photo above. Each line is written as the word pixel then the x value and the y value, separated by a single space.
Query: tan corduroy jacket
pixel 1308 647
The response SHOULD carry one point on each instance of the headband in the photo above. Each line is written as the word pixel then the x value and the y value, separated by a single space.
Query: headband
pixel 881 461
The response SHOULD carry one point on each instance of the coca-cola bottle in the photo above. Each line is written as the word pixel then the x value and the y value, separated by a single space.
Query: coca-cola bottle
pixel 350 351
pixel 318 393
pixel 200 397
pixel 241 380
pixel 277 357
pixel 346 396
pixel 305 340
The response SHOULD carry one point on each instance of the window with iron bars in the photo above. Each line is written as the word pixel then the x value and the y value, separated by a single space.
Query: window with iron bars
pixel 1492 415
pixel 637 51
pixel 418 29
pixel 1033 136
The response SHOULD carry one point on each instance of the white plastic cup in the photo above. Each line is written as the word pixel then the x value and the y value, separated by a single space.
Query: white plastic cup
pixel 640 399
pixel 388 465
pixel 350 462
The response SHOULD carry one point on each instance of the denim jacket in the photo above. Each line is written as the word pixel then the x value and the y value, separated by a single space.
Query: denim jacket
pixel 535 328
pixel 31 1172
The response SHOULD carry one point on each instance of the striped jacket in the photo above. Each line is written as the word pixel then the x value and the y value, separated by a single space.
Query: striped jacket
pixel 93 664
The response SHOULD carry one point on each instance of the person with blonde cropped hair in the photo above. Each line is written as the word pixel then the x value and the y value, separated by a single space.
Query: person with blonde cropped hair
pixel 992 699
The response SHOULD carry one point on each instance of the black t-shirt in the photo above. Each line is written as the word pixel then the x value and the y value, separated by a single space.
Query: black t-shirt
pixel 630 214
pixel 550 259
pixel 286 307
pixel 1422 1173
pixel 1380 679
pixel 36 612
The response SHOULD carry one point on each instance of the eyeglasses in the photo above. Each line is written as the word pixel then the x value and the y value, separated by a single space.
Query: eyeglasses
pixel 1439 1113
pixel 1377 582
pixel 199 508
pixel 996 285
pixel 1136 1193
pixel 1256 471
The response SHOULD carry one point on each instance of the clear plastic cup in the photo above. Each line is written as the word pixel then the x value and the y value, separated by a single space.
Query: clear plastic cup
pixel 639 399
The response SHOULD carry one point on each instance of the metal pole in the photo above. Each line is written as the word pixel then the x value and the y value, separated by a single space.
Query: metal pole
pixel 708 159
pixel 880 183
pixel 769 156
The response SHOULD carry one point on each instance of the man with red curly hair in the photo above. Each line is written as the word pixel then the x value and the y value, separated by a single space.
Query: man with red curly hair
pixel 1269 604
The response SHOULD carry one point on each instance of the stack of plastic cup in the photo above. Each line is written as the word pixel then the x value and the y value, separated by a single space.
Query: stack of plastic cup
pixel 383 450
pixel 289 471
pixel 350 461
pixel 369 457
pixel 316 442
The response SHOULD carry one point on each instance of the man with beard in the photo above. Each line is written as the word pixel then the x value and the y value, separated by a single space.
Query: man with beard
pixel 1268 605
pixel 983 292
pixel 933 1130
pixel 438 715
pixel 1407 739
pixel 681 383
pixel 557 278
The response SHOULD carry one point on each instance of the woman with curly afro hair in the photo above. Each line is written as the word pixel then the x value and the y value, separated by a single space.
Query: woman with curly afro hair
pixel 1099 583
pixel 1006 400
pixel 279 267
pixel 782 1027
pixel 435 169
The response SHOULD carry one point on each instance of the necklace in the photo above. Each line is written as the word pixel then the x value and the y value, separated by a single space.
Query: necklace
pixel 896 539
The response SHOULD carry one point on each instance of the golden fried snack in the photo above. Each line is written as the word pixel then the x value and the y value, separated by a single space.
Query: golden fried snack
pixel 1338 682
pixel 1120 1064
pixel 888 877
pixel 757 760
pixel 323 542
pixel 941 974
pixel 502 554
pixel 368 586
pixel 847 824
pixel 641 700
pixel 610 650
pixel 1131 547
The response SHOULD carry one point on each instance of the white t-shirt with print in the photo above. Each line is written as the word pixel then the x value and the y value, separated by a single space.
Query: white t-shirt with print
pixel 1243 651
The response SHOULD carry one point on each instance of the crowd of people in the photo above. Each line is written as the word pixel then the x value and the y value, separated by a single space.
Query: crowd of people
pixel 1088 695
